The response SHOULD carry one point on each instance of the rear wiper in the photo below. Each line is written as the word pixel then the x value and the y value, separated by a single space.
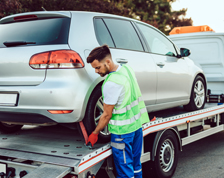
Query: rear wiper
pixel 17 43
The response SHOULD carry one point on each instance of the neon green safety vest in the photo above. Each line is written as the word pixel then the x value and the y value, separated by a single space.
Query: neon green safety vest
pixel 132 113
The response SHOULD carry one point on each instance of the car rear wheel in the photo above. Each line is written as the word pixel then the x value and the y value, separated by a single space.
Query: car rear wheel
pixel 9 128
pixel 93 112
pixel 198 94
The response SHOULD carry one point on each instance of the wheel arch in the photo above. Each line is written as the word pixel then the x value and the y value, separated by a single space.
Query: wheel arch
pixel 158 137
pixel 94 89
pixel 89 94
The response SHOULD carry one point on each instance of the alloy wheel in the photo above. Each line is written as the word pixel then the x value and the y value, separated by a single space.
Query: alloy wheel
pixel 98 111
pixel 199 94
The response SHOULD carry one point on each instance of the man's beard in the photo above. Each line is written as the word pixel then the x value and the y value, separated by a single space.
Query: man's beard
pixel 106 71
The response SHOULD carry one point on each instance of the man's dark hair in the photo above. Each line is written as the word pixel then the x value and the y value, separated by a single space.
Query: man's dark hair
pixel 98 53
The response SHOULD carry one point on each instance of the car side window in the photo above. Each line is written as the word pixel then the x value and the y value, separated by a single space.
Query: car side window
pixel 123 34
pixel 102 34
pixel 157 42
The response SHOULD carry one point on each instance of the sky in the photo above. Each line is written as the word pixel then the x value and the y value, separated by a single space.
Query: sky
pixel 203 12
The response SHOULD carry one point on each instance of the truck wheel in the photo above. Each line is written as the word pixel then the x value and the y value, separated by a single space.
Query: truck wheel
pixel 9 128
pixel 198 92
pixel 93 112
pixel 165 162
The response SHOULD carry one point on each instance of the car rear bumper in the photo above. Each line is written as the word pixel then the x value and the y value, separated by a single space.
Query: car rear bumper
pixel 62 90
pixel 25 118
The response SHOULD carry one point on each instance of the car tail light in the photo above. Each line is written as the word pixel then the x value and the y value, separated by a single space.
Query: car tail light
pixel 25 17
pixel 61 59
pixel 60 111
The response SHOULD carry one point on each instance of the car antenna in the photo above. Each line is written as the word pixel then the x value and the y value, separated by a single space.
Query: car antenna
pixel 43 8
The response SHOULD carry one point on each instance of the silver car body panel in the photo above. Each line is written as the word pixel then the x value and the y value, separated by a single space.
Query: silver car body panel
pixel 173 70
pixel 70 89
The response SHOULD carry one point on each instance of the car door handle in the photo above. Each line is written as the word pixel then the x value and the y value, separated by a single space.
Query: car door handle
pixel 160 64
pixel 124 61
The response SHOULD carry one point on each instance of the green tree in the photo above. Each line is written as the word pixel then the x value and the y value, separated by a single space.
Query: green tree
pixel 177 19
pixel 79 5
pixel 8 7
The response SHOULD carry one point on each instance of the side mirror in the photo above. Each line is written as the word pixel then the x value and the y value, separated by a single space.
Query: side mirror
pixel 184 52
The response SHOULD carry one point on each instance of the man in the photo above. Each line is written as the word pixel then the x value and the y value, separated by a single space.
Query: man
pixel 124 112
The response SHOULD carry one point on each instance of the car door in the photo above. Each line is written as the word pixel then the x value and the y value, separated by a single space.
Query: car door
pixel 173 79
pixel 127 48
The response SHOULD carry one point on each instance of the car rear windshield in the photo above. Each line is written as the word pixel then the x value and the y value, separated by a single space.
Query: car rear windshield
pixel 40 32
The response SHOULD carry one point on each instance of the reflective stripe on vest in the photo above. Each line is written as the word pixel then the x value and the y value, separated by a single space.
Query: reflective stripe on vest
pixel 128 121
pixel 128 107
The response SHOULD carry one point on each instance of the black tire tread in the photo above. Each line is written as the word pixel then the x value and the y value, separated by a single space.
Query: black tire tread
pixel 88 120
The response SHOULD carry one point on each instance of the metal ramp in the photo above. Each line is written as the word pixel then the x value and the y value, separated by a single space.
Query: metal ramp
pixel 56 149
pixel 49 171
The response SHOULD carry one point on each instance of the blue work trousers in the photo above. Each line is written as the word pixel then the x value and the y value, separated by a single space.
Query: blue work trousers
pixel 127 151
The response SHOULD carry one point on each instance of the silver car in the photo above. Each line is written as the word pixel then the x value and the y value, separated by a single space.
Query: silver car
pixel 45 79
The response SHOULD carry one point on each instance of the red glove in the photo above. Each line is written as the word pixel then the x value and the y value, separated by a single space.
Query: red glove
pixel 93 138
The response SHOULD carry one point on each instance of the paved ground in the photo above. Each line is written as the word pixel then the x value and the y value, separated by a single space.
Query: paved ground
pixel 202 159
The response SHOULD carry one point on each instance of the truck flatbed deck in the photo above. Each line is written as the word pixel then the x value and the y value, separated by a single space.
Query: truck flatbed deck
pixel 55 151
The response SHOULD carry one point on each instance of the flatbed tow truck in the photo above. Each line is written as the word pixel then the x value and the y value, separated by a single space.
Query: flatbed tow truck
pixel 58 152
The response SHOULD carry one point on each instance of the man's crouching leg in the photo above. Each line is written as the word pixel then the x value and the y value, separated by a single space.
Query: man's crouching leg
pixel 122 153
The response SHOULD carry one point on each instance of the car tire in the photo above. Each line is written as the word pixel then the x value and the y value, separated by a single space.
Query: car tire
pixel 166 158
pixel 93 113
pixel 198 94
pixel 9 128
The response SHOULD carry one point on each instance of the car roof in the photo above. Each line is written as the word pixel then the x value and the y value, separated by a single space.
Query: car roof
pixel 49 14
pixel 100 14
